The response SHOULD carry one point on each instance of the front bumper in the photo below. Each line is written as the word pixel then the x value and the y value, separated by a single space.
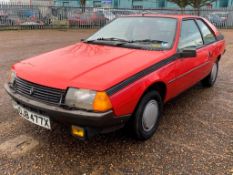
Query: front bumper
pixel 96 122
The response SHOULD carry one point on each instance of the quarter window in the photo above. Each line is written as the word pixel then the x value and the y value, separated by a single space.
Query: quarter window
pixel 190 35
pixel 208 36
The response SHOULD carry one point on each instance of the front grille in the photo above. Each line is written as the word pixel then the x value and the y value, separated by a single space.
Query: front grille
pixel 39 92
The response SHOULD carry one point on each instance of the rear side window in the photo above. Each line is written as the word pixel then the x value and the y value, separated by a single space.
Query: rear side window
pixel 190 35
pixel 208 36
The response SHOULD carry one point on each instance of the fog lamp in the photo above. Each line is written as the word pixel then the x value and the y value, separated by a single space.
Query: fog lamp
pixel 78 131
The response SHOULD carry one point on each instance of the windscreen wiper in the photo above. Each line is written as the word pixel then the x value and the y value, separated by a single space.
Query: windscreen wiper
pixel 108 39
pixel 148 41
pixel 114 39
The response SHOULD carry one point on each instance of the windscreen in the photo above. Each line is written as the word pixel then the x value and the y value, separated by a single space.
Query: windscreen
pixel 161 29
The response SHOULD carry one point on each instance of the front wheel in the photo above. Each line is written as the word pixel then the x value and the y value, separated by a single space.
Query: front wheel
pixel 212 77
pixel 147 115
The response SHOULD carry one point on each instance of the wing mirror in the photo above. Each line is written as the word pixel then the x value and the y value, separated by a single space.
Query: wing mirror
pixel 188 53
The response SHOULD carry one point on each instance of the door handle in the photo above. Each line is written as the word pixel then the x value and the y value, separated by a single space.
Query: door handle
pixel 210 54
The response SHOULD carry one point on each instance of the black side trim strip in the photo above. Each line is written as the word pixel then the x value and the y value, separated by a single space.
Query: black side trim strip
pixel 141 74
pixel 220 37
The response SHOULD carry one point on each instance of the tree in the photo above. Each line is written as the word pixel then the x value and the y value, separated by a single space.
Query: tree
pixel 181 3
pixel 197 4
pixel 83 5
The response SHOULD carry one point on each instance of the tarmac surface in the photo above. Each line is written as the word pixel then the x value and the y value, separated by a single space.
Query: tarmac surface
pixel 195 135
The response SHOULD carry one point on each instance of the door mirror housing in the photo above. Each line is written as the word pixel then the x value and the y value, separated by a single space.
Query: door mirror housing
pixel 188 53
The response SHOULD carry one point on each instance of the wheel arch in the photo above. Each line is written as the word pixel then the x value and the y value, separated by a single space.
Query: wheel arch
pixel 158 86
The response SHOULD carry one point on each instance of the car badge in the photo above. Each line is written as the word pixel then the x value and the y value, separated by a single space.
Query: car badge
pixel 31 91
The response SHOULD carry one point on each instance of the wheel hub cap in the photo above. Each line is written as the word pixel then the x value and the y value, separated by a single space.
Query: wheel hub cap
pixel 150 115
pixel 214 72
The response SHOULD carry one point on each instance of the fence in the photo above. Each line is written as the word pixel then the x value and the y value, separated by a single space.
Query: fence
pixel 14 16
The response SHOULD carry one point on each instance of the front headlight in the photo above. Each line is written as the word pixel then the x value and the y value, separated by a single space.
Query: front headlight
pixel 12 77
pixel 87 99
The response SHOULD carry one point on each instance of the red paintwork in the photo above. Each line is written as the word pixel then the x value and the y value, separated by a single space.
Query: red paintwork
pixel 87 19
pixel 101 67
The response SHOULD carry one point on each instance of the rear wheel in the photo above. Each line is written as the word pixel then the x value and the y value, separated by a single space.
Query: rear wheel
pixel 147 115
pixel 212 77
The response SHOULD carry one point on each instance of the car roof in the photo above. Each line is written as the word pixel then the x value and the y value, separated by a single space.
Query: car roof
pixel 178 16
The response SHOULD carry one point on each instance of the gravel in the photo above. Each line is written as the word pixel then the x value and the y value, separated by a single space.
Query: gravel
pixel 194 136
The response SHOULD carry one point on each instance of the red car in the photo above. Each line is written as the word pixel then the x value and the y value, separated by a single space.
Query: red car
pixel 88 19
pixel 123 74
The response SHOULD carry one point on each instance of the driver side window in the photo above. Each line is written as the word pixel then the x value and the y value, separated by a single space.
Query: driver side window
pixel 190 35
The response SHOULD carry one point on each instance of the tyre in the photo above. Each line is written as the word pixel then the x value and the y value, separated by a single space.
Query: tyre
pixel 147 115
pixel 212 77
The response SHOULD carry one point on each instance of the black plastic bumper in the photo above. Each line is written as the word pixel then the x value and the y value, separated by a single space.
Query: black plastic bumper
pixel 100 122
